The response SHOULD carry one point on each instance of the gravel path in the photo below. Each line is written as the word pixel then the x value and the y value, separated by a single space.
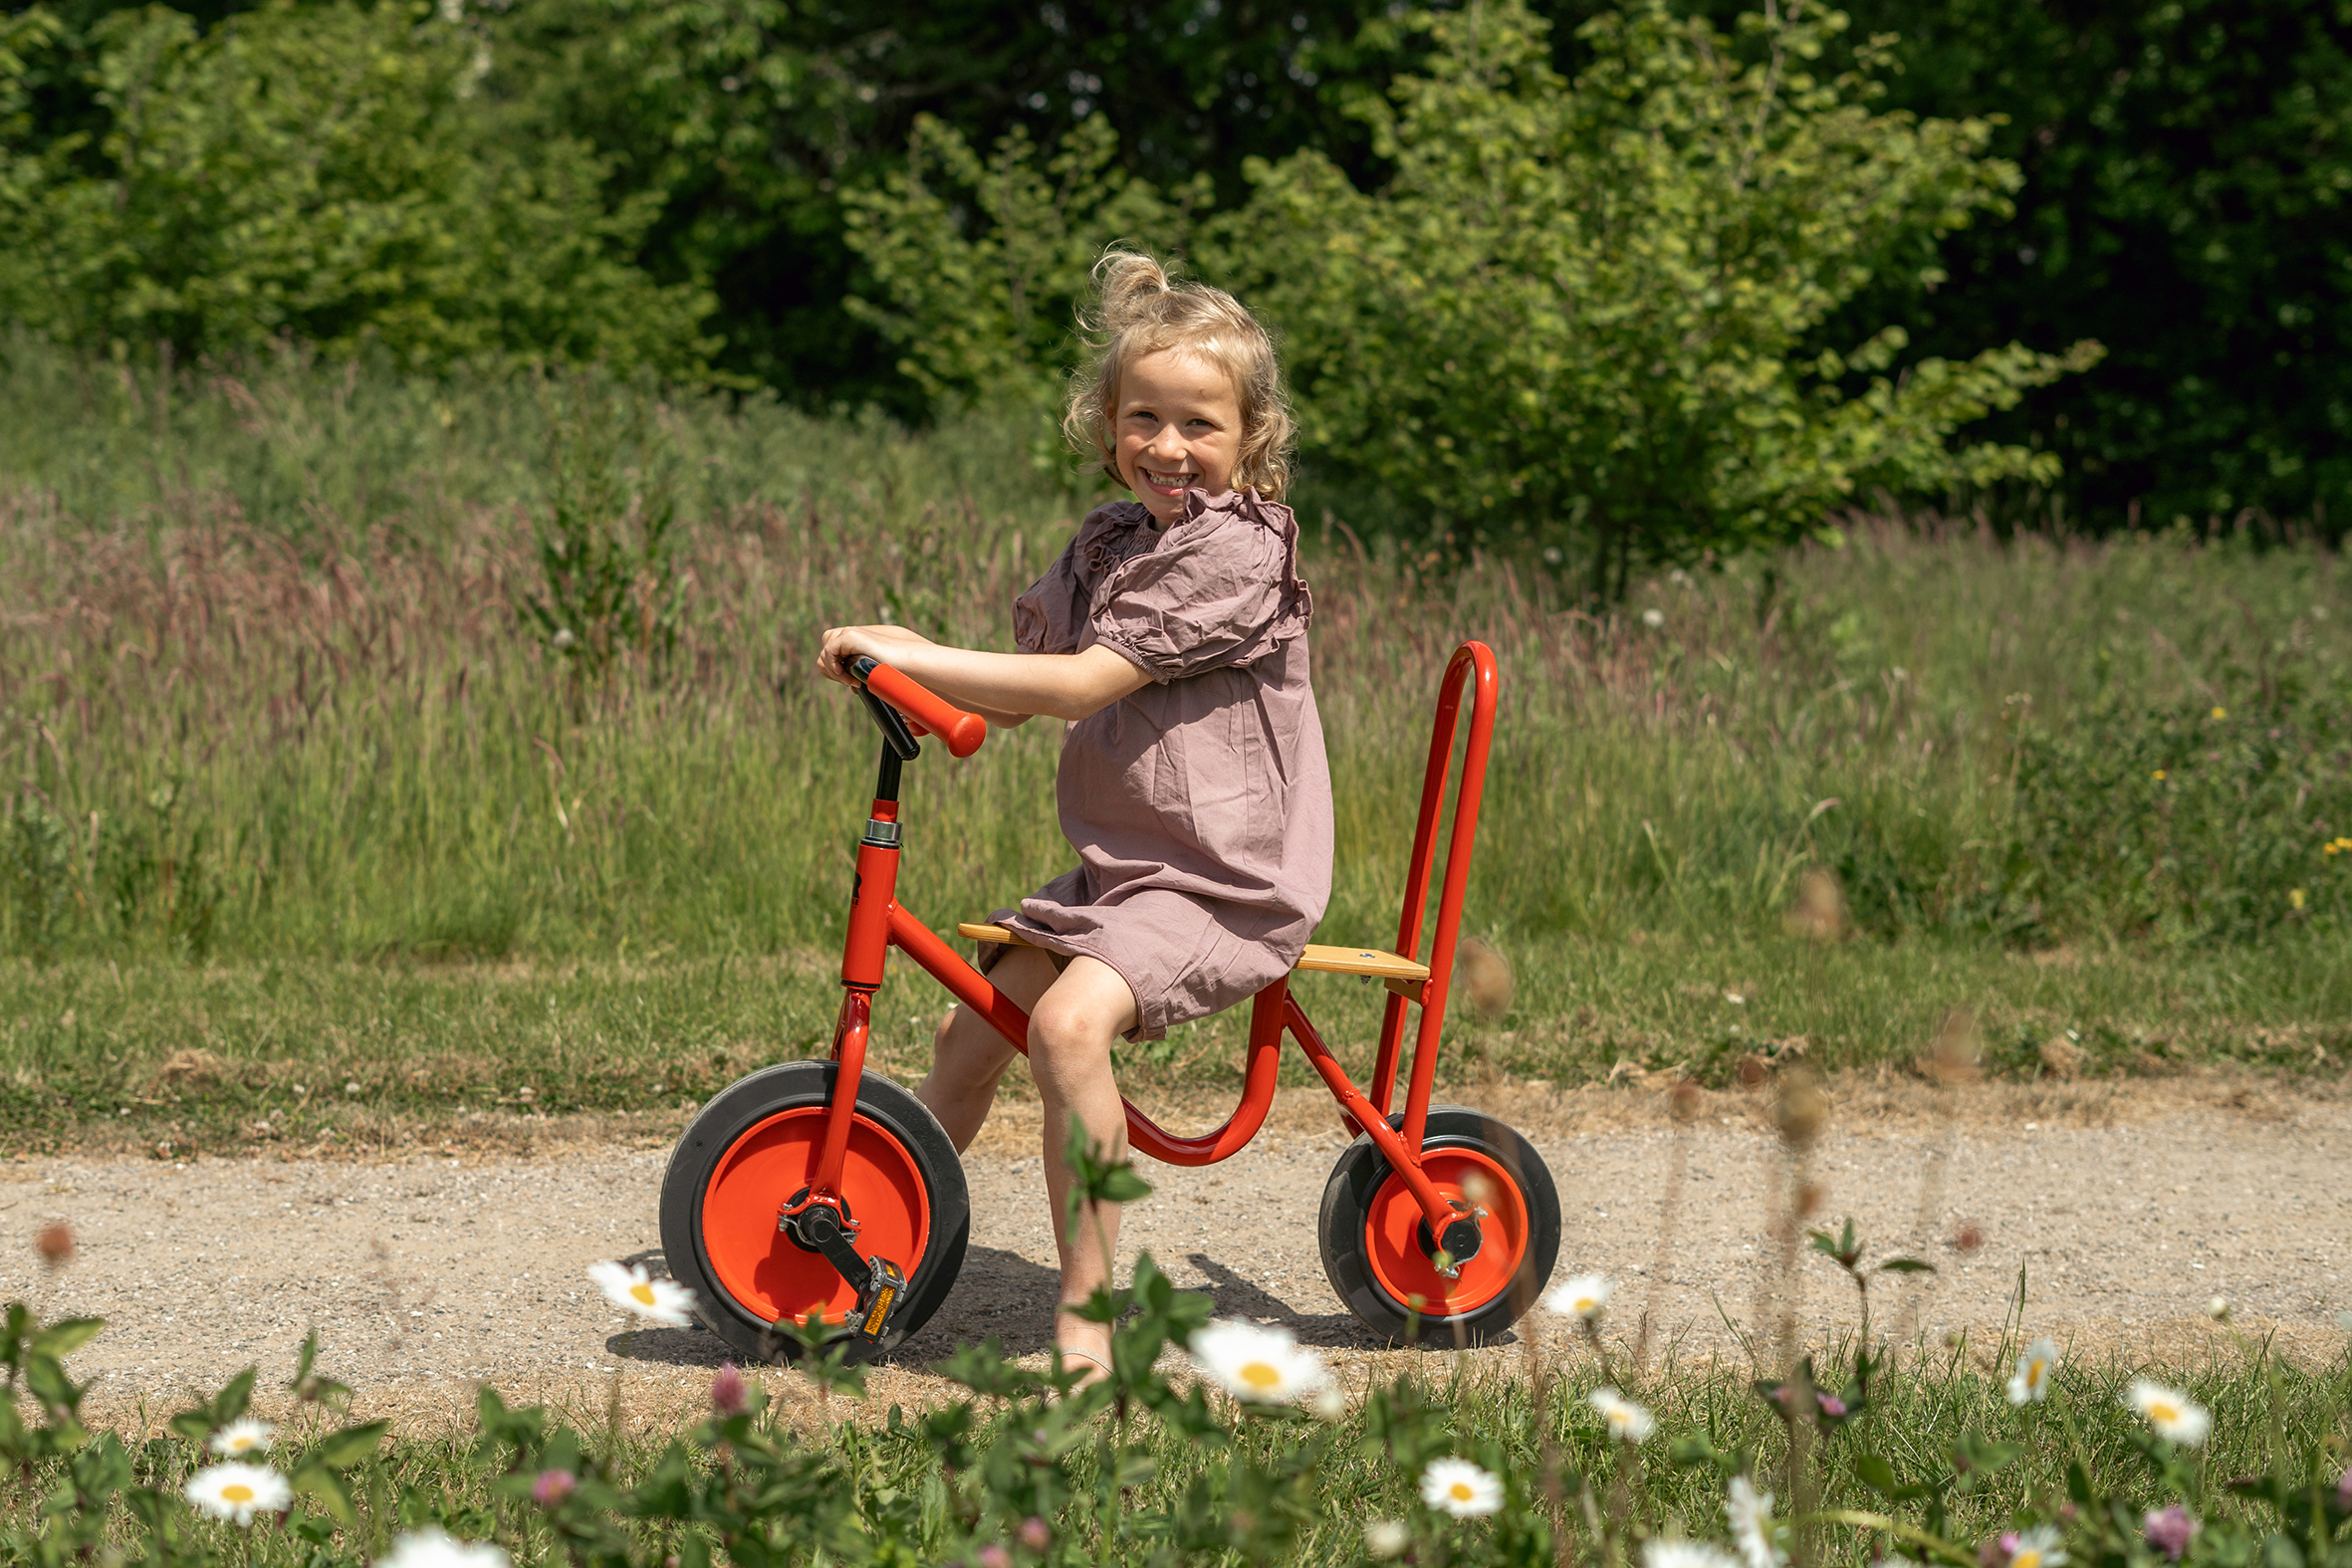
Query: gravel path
pixel 427 1274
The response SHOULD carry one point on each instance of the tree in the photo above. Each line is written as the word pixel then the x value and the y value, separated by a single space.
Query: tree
pixel 983 262
pixel 323 175
pixel 1581 313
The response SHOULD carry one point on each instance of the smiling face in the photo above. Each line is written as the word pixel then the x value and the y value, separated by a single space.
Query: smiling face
pixel 1179 427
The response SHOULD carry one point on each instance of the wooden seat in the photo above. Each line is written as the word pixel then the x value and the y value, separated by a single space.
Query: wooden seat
pixel 1398 973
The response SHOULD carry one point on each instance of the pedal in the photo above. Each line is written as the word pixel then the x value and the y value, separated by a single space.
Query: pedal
pixel 880 1283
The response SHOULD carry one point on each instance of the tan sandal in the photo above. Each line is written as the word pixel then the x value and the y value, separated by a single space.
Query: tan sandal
pixel 1067 1354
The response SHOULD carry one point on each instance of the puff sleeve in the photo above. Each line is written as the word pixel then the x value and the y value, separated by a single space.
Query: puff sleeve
pixel 1052 616
pixel 1222 590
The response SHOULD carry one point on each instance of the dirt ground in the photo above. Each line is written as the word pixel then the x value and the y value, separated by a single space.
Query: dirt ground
pixel 2126 1207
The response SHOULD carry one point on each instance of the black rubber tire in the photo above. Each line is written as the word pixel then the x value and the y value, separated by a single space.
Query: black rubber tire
pixel 741 1105
pixel 1347 1200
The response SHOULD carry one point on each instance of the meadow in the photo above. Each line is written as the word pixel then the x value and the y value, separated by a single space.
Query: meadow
pixel 307 812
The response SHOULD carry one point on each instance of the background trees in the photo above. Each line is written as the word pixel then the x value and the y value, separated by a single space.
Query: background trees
pixel 674 182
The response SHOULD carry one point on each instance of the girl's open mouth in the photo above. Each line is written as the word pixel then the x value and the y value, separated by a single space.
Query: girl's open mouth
pixel 1169 484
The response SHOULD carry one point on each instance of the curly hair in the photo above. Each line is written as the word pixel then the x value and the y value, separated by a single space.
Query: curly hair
pixel 1138 312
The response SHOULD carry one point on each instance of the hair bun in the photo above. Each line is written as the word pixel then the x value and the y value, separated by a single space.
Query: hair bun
pixel 1124 282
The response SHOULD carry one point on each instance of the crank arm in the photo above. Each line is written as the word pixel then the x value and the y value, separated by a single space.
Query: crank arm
pixel 880 1283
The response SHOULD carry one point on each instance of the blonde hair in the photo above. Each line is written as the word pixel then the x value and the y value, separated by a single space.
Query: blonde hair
pixel 1138 312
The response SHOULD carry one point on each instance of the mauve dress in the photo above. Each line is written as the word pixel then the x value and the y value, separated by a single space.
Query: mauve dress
pixel 1200 805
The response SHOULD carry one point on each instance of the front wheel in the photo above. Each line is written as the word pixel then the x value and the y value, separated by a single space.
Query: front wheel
pixel 1372 1231
pixel 752 1148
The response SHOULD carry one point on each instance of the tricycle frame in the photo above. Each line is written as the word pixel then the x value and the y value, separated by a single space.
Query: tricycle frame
pixel 878 922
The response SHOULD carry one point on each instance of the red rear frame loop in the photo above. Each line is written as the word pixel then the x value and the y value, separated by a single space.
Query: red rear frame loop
pixel 876 919
pixel 1472 665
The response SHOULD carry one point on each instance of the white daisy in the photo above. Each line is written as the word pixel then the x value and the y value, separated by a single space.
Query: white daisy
pixel 1587 1297
pixel 242 1436
pixel 2173 1414
pixel 1751 1513
pixel 236 1493
pixel 2036 1368
pixel 655 1300
pixel 2037 1548
pixel 1627 1422
pixel 1264 1364
pixel 434 1547
pixel 1660 1554
pixel 1461 1489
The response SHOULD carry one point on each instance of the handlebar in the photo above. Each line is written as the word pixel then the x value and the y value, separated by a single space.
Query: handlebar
pixel 925 711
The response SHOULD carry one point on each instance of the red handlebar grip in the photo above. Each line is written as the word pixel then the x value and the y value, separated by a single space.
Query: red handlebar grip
pixel 963 732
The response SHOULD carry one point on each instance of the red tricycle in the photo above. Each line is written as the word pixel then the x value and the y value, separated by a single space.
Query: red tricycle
pixel 819 1187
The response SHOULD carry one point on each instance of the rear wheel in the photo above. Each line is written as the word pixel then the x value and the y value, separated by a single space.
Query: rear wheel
pixel 1374 1238
pixel 752 1148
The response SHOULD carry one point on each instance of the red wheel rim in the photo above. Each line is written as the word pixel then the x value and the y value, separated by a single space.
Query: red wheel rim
pixel 757 1264
pixel 1392 1235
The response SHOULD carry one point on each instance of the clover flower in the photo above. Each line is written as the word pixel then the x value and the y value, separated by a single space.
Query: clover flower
pixel 1626 1421
pixel 2169 1530
pixel 1386 1538
pixel 434 1547
pixel 241 1437
pixel 1751 1513
pixel 729 1393
pixel 236 1492
pixel 2030 1384
pixel 1262 1364
pixel 2173 1414
pixel 1661 1553
pixel 1461 1489
pixel 1035 1533
pixel 550 1488
pixel 633 1290
pixel 1587 1297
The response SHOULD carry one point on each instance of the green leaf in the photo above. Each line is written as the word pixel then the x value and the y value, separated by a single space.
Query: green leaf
pixel 66 1336
pixel 1876 1473
pixel 234 1396
pixel 328 1488
pixel 1905 1265
pixel 347 1448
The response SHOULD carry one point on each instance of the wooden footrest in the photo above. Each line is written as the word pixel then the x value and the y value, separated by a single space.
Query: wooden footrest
pixel 1322 959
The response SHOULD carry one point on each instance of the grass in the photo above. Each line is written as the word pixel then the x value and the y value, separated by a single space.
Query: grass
pixel 1187 1495
pixel 291 782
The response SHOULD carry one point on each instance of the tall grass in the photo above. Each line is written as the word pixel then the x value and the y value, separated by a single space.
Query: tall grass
pixel 265 695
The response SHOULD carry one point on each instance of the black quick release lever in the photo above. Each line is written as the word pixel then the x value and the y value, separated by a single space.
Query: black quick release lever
pixel 888 719
pixel 880 1283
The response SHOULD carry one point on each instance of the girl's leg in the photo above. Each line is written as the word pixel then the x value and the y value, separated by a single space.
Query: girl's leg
pixel 968 1055
pixel 1070 1035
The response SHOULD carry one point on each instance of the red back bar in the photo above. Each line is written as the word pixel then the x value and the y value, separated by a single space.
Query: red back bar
pixel 1472 665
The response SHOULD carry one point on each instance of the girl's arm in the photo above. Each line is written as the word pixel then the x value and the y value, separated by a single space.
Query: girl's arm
pixel 1003 688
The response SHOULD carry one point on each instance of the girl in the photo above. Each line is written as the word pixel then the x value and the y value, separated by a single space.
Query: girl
pixel 1170 636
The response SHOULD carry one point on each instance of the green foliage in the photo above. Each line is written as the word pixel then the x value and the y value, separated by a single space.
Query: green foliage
pixel 608 543
pixel 2187 168
pixel 1149 1465
pixel 983 262
pixel 2189 823
pixel 325 173
pixel 1580 311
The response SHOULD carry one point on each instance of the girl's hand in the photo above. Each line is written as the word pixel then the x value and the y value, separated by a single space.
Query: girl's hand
pixel 842 644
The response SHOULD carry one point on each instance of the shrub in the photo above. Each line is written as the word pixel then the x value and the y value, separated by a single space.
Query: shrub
pixel 320 173
pixel 1585 312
